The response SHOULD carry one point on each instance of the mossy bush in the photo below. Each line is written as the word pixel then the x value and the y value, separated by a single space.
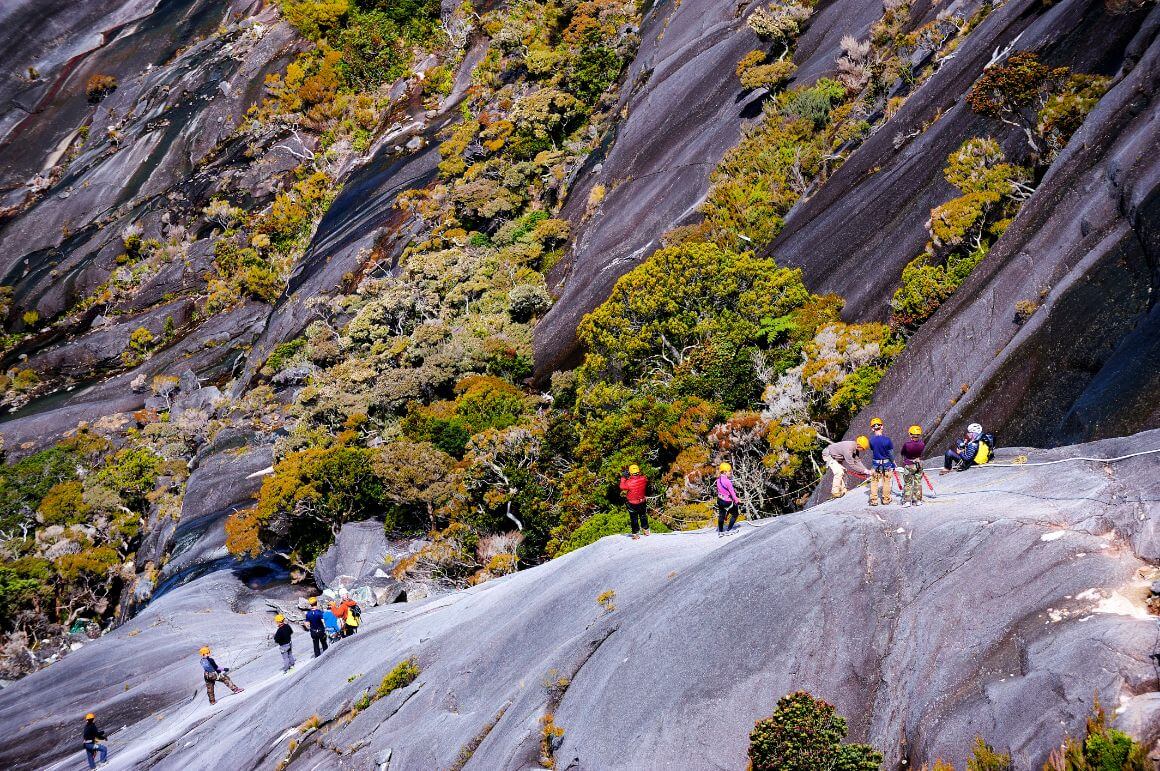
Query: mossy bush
pixel 805 734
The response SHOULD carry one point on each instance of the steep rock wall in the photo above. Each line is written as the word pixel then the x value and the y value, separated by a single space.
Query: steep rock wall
pixel 1085 247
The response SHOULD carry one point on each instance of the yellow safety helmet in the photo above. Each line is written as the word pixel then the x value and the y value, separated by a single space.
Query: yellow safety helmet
pixel 279 618
pixel 916 430
pixel 874 422
pixel 725 467
pixel 204 650
pixel 90 716
pixel 634 469
pixel 862 442
pixel 313 600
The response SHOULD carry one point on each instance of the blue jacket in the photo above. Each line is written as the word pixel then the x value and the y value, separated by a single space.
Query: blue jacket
pixel 314 618
pixel 331 622
pixel 883 450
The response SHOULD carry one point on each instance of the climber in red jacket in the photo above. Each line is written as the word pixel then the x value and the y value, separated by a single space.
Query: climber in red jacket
pixel 635 485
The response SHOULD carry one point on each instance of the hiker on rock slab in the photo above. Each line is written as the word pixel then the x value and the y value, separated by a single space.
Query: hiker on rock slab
pixel 315 623
pixel 845 457
pixel 727 501
pixel 94 742
pixel 912 468
pixel 215 674
pixel 882 450
pixel 282 640
pixel 634 485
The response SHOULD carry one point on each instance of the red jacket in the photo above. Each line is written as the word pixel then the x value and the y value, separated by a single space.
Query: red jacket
pixel 634 487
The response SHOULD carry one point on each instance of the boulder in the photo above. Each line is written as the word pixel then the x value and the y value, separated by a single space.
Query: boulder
pixel 358 550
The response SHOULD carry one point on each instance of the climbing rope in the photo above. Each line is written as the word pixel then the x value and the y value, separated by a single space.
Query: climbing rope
pixel 1021 460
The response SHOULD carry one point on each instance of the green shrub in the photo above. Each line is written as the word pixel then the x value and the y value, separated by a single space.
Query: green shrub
pixel 402 675
pixel 283 355
pixel 310 495
pixel 962 230
pixel 314 17
pixel 805 734
pixel 1102 749
pixel 984 757
pixel 813 104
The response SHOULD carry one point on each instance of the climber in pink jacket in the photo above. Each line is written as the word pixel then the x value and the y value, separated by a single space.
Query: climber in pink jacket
pixel 727 500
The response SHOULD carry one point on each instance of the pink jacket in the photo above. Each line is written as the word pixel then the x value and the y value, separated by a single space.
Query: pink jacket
pixel 725 489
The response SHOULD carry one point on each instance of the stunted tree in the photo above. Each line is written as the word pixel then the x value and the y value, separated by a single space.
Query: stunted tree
pixel 1046 103
pixel 779 22
pixel 805 734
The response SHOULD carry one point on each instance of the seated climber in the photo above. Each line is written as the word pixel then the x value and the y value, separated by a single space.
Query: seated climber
pixel 976 447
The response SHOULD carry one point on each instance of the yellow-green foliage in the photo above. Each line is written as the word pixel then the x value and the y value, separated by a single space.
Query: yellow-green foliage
pixel 402 675
pixel 681 297
pixel 771 76
pixel 962 229
pixel 984 757
pixel 314 17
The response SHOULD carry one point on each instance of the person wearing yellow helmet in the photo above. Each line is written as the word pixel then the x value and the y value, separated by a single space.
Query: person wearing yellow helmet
pixel 94 741
pixel 882 463
pixel 911 453
pixel 727 501
pixel 282 640
pixel 843 458
pixel 634 485
pixel 315 624
pixel 215 674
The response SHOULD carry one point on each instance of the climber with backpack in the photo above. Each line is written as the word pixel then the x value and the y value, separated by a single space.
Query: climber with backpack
pixel 882 462
pixel 727 500
pixel 215 674
pixel 353 617
pixel 845 457
pixel 315 623
pixel 912 468
pixel 976 447
pixel 634 485
pixel 282 640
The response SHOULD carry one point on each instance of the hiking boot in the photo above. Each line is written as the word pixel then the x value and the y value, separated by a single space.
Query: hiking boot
pixel 906 504
pixel 942 472
pixel 720 533
pixel 635 537
pixel 873 503
pixel 646 531
pixel 886 501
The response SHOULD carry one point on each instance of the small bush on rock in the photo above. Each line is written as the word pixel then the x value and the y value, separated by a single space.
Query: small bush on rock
pixel 805 734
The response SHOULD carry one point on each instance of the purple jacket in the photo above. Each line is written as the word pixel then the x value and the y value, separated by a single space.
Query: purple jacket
pixel 912 451
pixel 725 489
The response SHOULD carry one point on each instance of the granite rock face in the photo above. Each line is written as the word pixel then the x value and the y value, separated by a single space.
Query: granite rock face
pixel 997 609
pixel 1085 249
pixel 856 233
pixel 359 549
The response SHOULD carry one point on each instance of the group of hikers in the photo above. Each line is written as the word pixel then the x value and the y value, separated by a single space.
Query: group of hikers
pixel 841 458
pixel 341 618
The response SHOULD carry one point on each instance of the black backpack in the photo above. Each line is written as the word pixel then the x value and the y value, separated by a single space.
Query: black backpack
pixel 356 611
